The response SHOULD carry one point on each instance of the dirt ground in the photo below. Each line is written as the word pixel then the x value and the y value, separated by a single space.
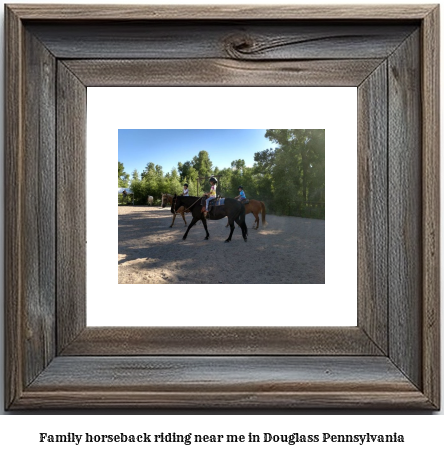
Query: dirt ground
pixel 287 250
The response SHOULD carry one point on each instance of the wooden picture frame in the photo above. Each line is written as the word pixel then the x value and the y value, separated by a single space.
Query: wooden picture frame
pixel 390 360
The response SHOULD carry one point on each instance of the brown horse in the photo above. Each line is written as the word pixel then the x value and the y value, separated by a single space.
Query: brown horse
pixel 168 199
pixel 256 207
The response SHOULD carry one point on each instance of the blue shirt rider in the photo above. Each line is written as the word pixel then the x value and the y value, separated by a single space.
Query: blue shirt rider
pixel 241 195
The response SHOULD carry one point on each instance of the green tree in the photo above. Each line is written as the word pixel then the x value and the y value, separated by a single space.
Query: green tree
pixel 135 176
pixel 299 157
pixel 189 175
pixel 122 176
pixel 159 171
pixel 138 192
pixel 202 163
pixel 236 176
pixel 238 167
pixel 150 167
pixel 185 169
pixel 316 178
pixel 203 166
pixel 153 181
pixel 264 161
pixel 172 183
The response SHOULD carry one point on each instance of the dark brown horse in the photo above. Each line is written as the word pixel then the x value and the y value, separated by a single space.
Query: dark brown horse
pixel 255 207
pixel 233 209
pixel 168 199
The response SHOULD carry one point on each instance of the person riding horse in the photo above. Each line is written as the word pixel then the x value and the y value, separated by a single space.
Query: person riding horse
pixel 185 190
pixel 232 209
pixel 211 194
pixel 241 197
pixel 251 207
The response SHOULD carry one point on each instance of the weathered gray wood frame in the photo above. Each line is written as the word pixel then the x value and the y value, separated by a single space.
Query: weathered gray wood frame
pixel 390 360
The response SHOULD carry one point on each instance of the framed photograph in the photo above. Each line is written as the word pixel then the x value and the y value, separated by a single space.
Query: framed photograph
pixel 389 359
pixel 157 145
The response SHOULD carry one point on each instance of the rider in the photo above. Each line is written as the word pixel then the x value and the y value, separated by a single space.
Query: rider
pixel 211 194
pixel 185 190
pixel 241 197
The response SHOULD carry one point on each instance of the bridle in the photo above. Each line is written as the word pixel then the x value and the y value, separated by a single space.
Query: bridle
pixel 173 203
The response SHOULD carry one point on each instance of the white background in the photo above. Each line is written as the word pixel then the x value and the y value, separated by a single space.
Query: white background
pixel 330 304
pixel 18 433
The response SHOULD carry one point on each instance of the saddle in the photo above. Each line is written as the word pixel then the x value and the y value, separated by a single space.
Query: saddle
pixel 218 201
pixel 213 205
pixel 245 201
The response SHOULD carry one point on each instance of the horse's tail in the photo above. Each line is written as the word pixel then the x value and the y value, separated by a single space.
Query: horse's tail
pixel 264 223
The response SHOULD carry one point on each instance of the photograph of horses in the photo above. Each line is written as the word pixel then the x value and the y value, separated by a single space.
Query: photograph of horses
pixel 251 206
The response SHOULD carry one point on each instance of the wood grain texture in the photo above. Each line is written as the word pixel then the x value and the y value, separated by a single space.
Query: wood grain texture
pixel 13 207
pixel 30 205
pixel 219 72
pixel 233 382
pixel 71 206
pixel 431 207
pixel 405 209
pixel 194 377
pixel 209 373
pixel 39 207
pixel 127 341
pixel 258 40
pixel 225 400
pixel 372 207
pixel 220 12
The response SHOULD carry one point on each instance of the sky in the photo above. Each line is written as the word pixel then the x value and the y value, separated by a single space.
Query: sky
pixel 168 147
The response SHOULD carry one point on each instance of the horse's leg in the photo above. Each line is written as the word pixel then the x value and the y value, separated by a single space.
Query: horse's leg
pixel 181 211
pixel 231 223
pixel 204 222
pixel 256 220
pixel 193 222
pixel 241 226
pixel 174 218
pixel 240 220
pixel 249 210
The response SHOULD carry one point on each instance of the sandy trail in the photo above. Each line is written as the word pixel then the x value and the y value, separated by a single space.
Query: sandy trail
pixel 287 250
